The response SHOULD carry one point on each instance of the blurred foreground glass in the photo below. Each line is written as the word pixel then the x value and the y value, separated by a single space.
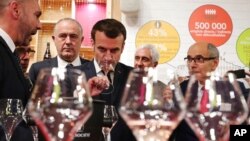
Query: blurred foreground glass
pixel 225 106
pixel 152 109
pixel 60 103
pixel 10 115
pixel 248 103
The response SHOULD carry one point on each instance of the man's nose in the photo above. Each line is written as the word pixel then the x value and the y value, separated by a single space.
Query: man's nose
pixel 108 56
pixel 139 62
pixel 68 39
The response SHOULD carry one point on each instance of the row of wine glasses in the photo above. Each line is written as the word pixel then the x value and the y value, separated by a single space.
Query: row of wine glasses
pixel 60 104
pixel 12 113
pixel 153 114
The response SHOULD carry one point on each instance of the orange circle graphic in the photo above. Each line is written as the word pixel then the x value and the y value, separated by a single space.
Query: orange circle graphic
pixel 210 23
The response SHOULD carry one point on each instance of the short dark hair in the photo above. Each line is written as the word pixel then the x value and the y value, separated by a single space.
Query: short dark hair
pixel 111 28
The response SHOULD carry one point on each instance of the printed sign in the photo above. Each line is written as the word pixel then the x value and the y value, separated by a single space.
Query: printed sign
pixel 163 36
pixel 243 47
pixel 210 23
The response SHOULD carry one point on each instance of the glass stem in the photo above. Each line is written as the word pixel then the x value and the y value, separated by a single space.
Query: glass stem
pixel 8 136
pixel 34 132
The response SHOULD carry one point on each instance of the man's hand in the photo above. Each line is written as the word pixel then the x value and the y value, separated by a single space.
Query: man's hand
pixel 97 84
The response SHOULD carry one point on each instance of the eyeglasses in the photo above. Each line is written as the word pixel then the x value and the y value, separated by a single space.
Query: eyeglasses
pixel 198 59
pixel 22 52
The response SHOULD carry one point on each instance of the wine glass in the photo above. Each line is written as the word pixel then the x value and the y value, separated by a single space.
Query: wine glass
pixel 107 69
pixel 60 103
pixel 106 66
pixel 10 115
pixel 110 118
pixel 150 113
pixel 225 106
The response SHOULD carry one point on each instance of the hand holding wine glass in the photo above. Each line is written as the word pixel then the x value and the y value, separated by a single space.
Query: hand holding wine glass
pixel 109 120
pixel 10 115
pixel 146 109
pixel 60 103
pixel 210 116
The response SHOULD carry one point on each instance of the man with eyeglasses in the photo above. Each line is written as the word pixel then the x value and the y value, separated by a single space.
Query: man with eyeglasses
pixel 202 58
pixel 24 53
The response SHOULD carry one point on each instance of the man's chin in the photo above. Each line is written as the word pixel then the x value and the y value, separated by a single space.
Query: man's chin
pixel 27 41
pixel 198 76
pixel 68 58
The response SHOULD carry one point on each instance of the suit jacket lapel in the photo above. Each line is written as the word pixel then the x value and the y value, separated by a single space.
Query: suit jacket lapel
pixel 17 67
pixel 54 62
pixel 118 84
pixel 83 60
pixel 90 70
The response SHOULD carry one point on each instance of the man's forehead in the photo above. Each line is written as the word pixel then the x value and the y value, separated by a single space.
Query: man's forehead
pixel 198 50
pixel 144 52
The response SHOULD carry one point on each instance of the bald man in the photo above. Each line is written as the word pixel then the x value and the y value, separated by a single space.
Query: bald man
pixel 202 58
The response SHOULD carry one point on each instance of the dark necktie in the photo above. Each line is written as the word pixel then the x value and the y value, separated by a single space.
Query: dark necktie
pixel 204 100
pixel 69 66
pixel 109 77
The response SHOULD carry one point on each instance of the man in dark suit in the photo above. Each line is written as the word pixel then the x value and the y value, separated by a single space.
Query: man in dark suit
pixel 18 22
pixel 108 39
pixel 68 37
pixel 202 58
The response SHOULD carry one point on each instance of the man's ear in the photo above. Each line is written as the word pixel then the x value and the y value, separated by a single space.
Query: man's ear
pixel 215 63
pixel 82 39
pixel 15 9
pixel 155 64
pixel 93 44
pixel 122 46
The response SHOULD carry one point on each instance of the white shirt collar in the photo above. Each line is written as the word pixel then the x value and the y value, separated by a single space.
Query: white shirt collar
pixel 97 67
pixel 63 64
pixel 7 39
pixel 200 86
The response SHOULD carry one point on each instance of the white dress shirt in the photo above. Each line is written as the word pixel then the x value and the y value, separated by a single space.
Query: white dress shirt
pixel 7 39
pixel 63 64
